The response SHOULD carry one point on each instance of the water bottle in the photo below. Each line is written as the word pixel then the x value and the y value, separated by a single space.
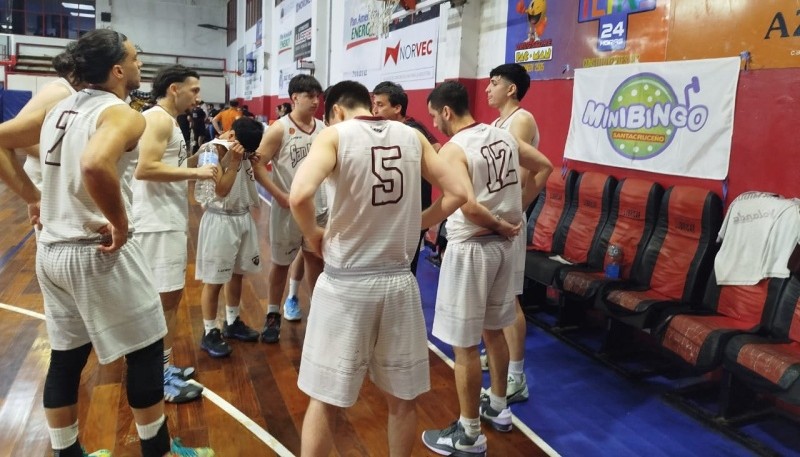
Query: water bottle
pixel 204 190
pixel 614 262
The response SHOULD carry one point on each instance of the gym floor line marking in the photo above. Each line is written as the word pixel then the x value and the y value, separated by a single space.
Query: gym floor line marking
pixel 14 249
pixel 530 434
pixel 231 410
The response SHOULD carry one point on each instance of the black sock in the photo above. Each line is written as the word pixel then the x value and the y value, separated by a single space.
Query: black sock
pixel 158 445
pixel 73 451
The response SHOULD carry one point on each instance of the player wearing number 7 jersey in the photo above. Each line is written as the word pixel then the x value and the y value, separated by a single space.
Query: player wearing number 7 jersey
pixel 475 294
pixel 365 311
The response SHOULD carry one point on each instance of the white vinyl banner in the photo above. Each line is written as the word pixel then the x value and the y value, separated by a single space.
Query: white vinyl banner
pixel 673 118
pixel 407 56
pixel 292 23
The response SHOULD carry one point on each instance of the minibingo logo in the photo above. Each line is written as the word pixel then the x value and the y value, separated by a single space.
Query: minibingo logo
pixel 644 115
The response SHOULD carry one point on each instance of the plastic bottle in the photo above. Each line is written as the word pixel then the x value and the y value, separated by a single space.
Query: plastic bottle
pixel 204 189
pixel 614 263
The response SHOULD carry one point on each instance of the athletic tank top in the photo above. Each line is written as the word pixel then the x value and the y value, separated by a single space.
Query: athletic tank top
pixel 243 193
pixel 505 124
pixel 163 206
pixel 493 165
pixel 373 194
pixel 294 149
pixel 68 213
pixel 32 166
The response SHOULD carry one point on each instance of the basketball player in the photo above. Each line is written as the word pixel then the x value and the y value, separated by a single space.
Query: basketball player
pixel 227 242
pixel 50 94
pixel 391 102
pixel 286 144
pixel 161 206
pixel 508 84
pixel 475 294
pixel 366 311
pixel 97 289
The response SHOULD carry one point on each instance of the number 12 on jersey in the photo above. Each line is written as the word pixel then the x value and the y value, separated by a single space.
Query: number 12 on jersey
pixel 501 171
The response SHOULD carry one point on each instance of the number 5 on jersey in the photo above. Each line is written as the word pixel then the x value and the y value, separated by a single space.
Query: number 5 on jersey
pixel 53 156
pixel 390 189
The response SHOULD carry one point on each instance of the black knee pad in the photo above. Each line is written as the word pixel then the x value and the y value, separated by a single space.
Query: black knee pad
pixel 64 376
pixel 146 376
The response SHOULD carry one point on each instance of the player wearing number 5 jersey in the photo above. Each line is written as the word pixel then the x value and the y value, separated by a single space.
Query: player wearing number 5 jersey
pixel 475 294
pixel 366 313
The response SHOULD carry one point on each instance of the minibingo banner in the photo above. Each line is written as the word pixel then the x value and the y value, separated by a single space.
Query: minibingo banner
pixel 674 118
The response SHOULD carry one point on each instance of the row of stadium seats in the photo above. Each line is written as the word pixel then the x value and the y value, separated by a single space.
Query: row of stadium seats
pixel 666 287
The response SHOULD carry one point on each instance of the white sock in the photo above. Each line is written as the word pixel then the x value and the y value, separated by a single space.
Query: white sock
pixel 209 325
pixel 62 438
pixel 515 369
pixel 293 285
pixel 148 431
pixel 273 309
pixel 167 357
pixel 497 403
pixel 472 427
pixel 231 313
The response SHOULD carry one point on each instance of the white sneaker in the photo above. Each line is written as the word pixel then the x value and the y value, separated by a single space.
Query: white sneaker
pixel 516 391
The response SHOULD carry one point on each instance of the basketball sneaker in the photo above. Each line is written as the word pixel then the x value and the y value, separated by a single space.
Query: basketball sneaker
pixel 214 344
pixel 516 391
pixel 239 331
pixel 272 328
pixel 177 449
pixel 454 441
pixel 500 420
pixel 484 360
pixel 291 309
pixel 185 373
pixel 176 390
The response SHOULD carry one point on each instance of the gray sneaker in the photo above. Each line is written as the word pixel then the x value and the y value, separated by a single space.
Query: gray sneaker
pixel 500 420
pixel 176 390
pixel 453 441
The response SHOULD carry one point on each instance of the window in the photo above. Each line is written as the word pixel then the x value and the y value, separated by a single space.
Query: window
pixel 51 18
pixel 231 21
pixel 253 13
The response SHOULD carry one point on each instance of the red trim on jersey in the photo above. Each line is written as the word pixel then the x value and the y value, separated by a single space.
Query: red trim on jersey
pixel 370 118
pixel 474 124
pixel 501 122
pixel 301 128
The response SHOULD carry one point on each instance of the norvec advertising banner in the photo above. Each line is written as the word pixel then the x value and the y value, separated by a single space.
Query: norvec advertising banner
pixel 673 118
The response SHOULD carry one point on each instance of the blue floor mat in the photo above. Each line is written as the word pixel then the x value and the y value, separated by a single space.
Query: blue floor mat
pixel 581 407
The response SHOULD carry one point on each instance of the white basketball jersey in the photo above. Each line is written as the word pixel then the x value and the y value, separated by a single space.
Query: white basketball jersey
pixel 243 193
pixel 68 213
pixel 294 149
pixel 163 206
pixel 493 165
pixel 32 166
pixel 374 197
pixel 505 124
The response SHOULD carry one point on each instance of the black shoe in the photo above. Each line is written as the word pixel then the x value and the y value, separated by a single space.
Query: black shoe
pixel 239 331
pixel 214 344
pixel 272 328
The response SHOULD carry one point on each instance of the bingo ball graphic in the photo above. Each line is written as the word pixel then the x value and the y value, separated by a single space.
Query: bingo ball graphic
pixel 642 105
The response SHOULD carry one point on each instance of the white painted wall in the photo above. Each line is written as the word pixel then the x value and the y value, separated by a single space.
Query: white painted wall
pixel 169 26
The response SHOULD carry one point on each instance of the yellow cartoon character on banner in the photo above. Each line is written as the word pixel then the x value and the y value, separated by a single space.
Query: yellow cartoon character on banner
pixel 537 17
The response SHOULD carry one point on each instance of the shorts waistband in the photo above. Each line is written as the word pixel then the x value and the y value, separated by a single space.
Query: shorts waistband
pixel 360 272
pixel 83 241
pixel 228 212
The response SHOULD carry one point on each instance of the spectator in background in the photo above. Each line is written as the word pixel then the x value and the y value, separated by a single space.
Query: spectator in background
pixel 283 109
pixel 185 123
pixel 212 112
pixel 224 120
pixel 199 126
pixel 246 112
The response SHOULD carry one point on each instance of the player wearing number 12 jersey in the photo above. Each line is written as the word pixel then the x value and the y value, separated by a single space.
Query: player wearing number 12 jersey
pixel 365 312
pixel 475 295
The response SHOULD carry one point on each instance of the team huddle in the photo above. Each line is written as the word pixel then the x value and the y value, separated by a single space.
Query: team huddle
pixel 107 189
